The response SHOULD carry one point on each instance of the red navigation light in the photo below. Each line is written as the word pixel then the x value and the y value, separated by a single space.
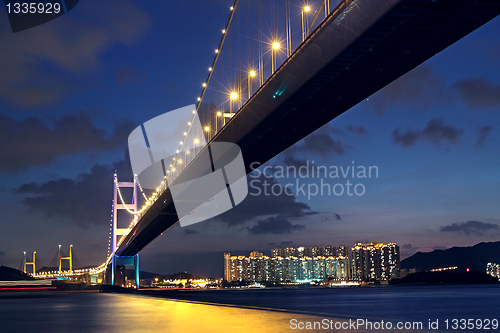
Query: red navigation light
pixel 467 270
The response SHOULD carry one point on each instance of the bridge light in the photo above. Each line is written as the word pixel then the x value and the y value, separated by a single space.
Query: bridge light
pixel 173 169
pixel 216 51
pixel 276 46
pixel 199 99
pixel 187 152
pixel 196 141
pixel 219 114
pixel 189 123
pixel 307 9
pixel 179 161
pixel 209 69
pixel 234 95
pixel 185 133
pixel 252 73
pixel 204 84
pixel 231 8
pixel 223 31
pixel 207 128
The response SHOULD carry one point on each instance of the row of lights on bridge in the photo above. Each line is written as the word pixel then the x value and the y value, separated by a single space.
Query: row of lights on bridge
pixel 233 96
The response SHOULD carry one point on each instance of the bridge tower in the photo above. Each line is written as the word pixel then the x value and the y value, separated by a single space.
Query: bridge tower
pixel 70 258
pixel 119 262
pixel 32 263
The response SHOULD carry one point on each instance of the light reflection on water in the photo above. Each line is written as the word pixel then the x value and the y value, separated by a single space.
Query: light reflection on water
pixel 94 312
pixel 131 313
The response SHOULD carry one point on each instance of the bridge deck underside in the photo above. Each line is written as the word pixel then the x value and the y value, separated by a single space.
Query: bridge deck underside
pixel 410 32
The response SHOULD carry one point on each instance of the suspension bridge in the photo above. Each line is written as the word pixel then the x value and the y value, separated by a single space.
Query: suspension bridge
pixel 283 69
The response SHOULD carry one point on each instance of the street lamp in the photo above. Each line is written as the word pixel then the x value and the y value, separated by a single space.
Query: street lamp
pixel 219 114
pixel 275 47
pixel 251 75
pixel 305 21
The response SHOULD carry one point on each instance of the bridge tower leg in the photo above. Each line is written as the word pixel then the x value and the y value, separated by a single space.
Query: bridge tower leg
pixel 118 262
pixel 32 263
pixel 70 258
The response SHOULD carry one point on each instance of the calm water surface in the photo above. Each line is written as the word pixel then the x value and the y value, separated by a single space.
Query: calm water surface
pixel 245 310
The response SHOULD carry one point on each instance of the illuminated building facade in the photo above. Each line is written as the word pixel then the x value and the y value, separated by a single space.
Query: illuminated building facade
pixel 363 262
pixel 375 261
pixel 493 270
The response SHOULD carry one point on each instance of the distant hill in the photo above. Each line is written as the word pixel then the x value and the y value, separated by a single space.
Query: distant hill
pixel 446 277
pixel 474 257
pixel 12 274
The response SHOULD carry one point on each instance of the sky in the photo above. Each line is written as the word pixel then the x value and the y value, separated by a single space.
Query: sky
pixel 73 89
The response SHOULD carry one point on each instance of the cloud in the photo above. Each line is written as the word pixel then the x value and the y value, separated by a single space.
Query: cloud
pixel 407 246
pixel 319 143
pixel 419 88
pixel 469 227
pixel 32 142
pixel 254 206
pixel 435 131
pixel 72 44
pixel 274 225
pixel 360 130
pixel 286 242
pixel 83 200
pixel 478 92
pixel 2 253
pixel 189 231
pixel 482 133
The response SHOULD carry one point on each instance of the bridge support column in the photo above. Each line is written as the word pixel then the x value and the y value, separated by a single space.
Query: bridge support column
pixel 118 269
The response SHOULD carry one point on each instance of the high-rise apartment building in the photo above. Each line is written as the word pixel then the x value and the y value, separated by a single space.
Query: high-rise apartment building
pixel 277 252
pixel 315 251
pixel 302 252
pixel 493 270
pixel 364 262
pixel 390 263
pixel 290 252
pixel 375 261
pixel 329 251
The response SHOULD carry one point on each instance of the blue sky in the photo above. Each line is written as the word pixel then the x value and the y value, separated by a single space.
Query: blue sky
pixel 72 90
